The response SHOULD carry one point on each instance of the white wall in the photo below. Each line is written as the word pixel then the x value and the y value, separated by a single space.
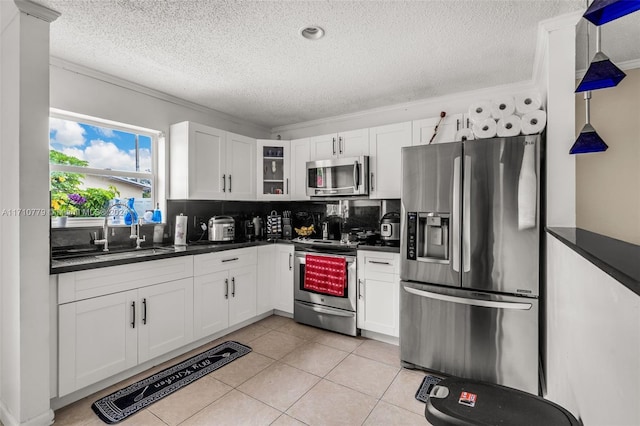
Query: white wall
pixel 426 108
pixel 594 341
pixel 89 92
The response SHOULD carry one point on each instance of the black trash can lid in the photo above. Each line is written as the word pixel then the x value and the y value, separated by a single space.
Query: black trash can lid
pixel 456 401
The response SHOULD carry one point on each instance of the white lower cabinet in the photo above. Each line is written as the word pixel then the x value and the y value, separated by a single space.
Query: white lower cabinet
pixel 378 292
pixel 225 289
pixel 283 284
pixel 104 335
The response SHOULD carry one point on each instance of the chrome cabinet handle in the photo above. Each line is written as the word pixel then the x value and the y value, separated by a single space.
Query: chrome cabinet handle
pixel 224 183
pixel 287 185
pixel 379 263
pixel 133 317
pixel 457 124
pixel 360 288
pixel 290 257
pixel 231 259
pixel 340 144
pixel 372 181
pixel 233 286
pixel 334 146
pixel 229 183
pixel 226 288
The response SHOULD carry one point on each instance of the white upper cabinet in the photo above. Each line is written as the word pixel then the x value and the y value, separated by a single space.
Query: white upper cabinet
pixel 210 164
pixel 273 166
pixel 385 145
pixel 423 129
pixel 352 143
pixel 299 156
pixel 241 173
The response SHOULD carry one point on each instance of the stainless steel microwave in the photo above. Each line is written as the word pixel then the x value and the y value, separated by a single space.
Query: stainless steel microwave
pixel 338 177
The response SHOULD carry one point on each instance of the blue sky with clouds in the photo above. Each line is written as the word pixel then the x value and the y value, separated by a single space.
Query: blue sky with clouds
pixel 102 147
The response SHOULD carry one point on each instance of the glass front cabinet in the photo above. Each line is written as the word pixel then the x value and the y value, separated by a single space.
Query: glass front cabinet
pixel 273 169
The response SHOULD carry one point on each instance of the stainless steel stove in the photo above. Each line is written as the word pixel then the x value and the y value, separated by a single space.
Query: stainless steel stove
pixel 331 312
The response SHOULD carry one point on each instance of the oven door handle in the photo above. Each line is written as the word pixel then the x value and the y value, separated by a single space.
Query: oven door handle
pixel 322 310
pixel 311 250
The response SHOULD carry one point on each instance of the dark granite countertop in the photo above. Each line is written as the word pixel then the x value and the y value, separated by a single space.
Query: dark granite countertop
pixel 98 260
pixel 93 260
pixel 619 259
pixel 387 249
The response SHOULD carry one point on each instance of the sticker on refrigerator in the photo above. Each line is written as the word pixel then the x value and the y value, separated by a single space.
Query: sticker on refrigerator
pixel 468 399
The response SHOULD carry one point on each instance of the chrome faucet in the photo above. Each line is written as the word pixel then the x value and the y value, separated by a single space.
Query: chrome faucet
pixel 135 228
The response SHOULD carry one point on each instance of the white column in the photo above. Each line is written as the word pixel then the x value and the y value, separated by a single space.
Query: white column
pixel 560 81
pixel 24 207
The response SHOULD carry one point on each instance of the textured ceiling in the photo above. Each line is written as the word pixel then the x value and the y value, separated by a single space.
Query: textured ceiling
pixel 247 59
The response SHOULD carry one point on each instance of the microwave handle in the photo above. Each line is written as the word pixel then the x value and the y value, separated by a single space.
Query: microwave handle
pixel 356 175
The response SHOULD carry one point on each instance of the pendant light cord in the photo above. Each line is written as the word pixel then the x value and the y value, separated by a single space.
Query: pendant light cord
pixel 587 94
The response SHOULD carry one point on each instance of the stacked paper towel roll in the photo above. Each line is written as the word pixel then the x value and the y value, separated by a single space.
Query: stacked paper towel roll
pixel 506 116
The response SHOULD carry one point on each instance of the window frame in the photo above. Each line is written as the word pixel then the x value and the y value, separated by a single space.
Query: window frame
pixel 157 172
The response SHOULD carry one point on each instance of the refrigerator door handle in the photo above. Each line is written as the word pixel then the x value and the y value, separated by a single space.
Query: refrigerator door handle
pixel 455 217
pixel 466 216
pixel 469 301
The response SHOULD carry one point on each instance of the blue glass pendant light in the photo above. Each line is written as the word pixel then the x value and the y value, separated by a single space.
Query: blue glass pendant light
pixel 603 11
pixel 588 140
pixel 602 73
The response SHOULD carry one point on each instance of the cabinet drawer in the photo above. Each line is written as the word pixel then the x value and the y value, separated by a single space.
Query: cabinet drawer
pixel 224 260
pixel 80 285
pixel 373 263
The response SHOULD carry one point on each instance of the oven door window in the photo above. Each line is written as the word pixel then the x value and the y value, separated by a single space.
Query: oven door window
pixel 302 288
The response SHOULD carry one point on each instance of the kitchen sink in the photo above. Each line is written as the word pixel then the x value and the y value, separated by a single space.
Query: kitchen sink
pixel 77 259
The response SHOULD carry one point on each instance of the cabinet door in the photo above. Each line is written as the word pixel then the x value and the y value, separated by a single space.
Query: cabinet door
pixel 284 278
pixel 378 292
pixel 298 170
pixel 241 169
pixel 423 129
pixel 385 145
pixel 273 171
pixel 323 147
pixel 265 279
pixel 242 294
pixel 207 157
pixel 353 143
pixel 378 307
pixel 166 318
pixel 210 304
pixel 97 339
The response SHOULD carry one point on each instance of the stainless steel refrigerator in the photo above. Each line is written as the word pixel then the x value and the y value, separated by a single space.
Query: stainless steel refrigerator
pixel 470 251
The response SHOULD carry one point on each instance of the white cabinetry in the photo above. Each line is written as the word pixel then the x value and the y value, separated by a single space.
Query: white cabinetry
pixel 274 163
pixel 300 149
pixel 385 150
pixel 378 292
pixel 283 284
pixel 112 319
pixel 344 144
pixel 265 278
pixel 423 129
pixel 210 164
pixel 224 289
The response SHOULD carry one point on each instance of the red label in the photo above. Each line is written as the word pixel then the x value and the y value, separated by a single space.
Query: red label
pixel 468 398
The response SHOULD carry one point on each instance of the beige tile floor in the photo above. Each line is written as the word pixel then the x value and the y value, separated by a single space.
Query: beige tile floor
pixel 295 375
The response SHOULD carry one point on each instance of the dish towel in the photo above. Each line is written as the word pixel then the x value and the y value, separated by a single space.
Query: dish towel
pixel 527 187
pixel 325 274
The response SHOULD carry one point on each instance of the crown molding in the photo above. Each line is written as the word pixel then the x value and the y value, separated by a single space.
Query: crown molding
pixel 544 28
pixel 126 84
pixel 37 10
pixel 483 93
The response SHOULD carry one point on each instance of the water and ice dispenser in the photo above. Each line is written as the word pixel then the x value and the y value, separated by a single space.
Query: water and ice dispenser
pixel 428 236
